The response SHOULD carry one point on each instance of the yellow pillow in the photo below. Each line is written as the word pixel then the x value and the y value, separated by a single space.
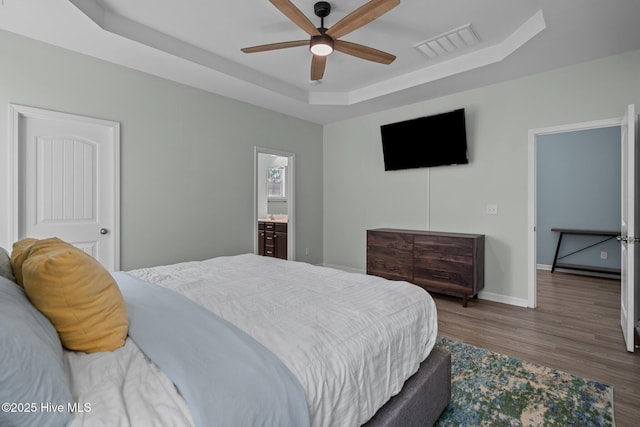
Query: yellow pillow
pixel 77 294
pixel 21 250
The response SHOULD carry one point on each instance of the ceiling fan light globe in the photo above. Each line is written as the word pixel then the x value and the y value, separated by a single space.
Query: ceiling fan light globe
pixel 321 45
pixel 321 50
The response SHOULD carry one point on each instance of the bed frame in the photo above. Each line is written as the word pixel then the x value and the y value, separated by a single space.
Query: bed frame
pixel 423 397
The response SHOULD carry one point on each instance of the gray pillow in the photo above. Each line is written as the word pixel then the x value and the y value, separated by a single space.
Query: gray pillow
pixel 5 265
pixel 34 370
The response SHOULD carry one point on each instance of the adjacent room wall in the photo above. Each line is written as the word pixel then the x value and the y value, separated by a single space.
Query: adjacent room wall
pixel 187 155
pixel 578 186
pixel 359 194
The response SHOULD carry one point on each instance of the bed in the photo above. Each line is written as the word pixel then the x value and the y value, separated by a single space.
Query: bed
pixel 272 342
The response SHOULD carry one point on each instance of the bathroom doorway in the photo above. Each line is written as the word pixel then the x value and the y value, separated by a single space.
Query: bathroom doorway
pixel 274 191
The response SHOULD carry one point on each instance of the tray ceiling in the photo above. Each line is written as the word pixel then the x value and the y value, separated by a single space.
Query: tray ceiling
pixel 197 42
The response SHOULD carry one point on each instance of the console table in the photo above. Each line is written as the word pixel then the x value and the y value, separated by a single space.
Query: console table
pixel 607 234
pixel 446 263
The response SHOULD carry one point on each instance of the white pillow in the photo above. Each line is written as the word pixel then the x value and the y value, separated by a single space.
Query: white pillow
pixel 6 270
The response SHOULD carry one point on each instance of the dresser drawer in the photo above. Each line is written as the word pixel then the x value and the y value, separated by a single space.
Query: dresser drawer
pixel 443 245
pixel 442 261
pixel 390 240
pixel 451 276
pixel 390 255
pixel 388 263
pixel 444 287
pixel 455 267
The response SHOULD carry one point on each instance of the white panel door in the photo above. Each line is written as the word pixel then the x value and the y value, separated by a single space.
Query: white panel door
pixel 628 237
pixel 68 181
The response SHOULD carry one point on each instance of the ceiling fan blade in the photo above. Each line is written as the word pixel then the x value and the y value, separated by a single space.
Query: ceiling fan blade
pixel 364 52
pixel 318 64
pixel 294 14
pixel 361 16
pixel 275 46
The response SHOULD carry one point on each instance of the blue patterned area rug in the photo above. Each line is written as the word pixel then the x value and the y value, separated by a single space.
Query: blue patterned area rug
pixel 491 389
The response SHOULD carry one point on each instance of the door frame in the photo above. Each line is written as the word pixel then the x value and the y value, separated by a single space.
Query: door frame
pixel 629 229
pixel 532 202
pixel 19 112
pixel 289 190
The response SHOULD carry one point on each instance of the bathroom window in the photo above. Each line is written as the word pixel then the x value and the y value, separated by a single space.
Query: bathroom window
pixel 275 183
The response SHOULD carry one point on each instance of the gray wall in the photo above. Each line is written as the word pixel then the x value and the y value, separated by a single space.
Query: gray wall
pixel 178 141
pixel 186 155
pixel 359 194
pixel 578 186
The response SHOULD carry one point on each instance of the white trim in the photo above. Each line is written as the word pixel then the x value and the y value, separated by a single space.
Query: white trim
pixel 519 302
pixel 458 64
pixel 504 299
pixel 531 223
pixel 579 272
pixel 14 125
pixel 531 196
pixel 290 190
pixel 232 74
pixel 17 111
pixel 346 269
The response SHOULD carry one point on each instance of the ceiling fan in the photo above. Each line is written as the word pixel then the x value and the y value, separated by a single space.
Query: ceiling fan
pixel 325 40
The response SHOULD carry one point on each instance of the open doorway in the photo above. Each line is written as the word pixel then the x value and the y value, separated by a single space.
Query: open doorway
pixel 544 239
pixel 274 201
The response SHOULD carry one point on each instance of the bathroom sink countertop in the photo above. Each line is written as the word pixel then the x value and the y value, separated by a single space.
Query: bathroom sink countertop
pixel 275 219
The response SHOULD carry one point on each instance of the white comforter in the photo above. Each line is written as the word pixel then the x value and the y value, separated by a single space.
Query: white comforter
pixel 123 388
pixel 350 339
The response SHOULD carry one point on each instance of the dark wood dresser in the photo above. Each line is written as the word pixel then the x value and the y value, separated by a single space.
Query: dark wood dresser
pixel 272 239
pixel 446 263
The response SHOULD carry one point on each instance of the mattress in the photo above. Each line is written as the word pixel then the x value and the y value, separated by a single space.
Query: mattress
pixel 351 340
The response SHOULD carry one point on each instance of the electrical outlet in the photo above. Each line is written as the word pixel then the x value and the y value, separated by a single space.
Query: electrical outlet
pixel 604 255
pixel 492 209
pixel 306 251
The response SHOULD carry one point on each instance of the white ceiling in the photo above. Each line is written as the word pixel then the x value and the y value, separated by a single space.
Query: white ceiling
pixel 197 42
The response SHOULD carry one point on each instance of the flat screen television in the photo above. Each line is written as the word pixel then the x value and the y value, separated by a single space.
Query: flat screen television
pixel 424 142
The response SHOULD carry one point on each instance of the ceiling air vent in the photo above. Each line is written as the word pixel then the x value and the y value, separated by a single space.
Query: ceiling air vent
pixel 449 42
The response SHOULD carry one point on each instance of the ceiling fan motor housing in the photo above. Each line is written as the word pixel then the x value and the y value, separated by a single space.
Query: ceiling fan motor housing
pixel 322 9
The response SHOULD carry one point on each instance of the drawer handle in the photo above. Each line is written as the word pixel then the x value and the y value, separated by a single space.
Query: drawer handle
pixel 441 276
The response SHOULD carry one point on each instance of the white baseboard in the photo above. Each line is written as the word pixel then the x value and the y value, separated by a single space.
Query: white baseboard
pixel 578 272
pixel 504 299
pixel 489 296
pixel 343 268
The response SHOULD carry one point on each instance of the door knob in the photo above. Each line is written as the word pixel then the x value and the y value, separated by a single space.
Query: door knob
pixel 104 231
pixel 629 239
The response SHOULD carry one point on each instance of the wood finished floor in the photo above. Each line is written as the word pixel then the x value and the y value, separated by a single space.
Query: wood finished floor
pixel 576 328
